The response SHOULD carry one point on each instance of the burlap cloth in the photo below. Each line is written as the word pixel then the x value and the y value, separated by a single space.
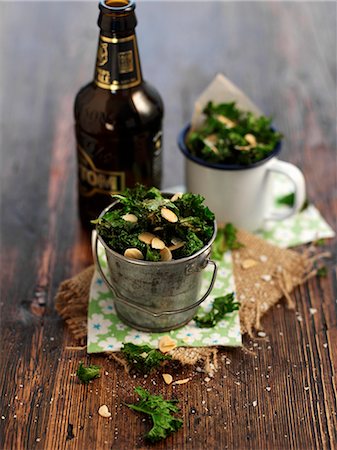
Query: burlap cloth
pixel 263 275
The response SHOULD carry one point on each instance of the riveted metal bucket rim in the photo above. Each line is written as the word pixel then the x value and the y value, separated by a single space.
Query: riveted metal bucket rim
pixel 154 263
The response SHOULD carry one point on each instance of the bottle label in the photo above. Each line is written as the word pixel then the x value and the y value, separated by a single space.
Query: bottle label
pixel 112 165
pixel 117 65
pixel 96 181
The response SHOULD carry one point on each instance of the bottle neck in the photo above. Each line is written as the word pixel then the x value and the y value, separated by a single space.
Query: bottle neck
pixel 117 63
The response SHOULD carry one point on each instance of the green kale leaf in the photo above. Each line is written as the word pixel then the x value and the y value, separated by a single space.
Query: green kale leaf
pixel 289 200
pixel 226 239
pixel 161 412
pixel 231 136
pixel 322 272
pixel 193 224
pixel 221 306
pixel 85 374
pixel 143 357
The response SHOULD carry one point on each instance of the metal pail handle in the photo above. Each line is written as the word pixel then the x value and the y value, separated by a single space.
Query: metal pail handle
pixel 125 301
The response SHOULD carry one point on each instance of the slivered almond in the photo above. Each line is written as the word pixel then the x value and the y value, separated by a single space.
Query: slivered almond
pixel 146 237
pixel 185 380
pixel 176 196
pixel 167 378
pixel 251 139
pixel 133 253
pixel 212 138
pixel 166 344
pixel 104 411
pixel 157 243
pixel 228 122
pixel 168 215
pixel 248 263
pixel 242 147
pixel 211 146
pixel 165 254
pixel 130 218
pixel 176 246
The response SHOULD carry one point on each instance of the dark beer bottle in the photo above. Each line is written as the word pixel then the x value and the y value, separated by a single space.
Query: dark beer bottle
pixel 118 116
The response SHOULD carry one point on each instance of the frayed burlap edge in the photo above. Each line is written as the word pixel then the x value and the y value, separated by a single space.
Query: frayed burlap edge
pixel 205 357
pixel 264 274
pixel 71 302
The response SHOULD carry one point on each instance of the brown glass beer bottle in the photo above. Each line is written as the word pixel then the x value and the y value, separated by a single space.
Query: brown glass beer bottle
pixel 118 116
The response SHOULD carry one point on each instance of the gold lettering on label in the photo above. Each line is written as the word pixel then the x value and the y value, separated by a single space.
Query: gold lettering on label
pixel 103 76
pixel 102 54
pixel 125 62
pixel 95 180
pixel 99 180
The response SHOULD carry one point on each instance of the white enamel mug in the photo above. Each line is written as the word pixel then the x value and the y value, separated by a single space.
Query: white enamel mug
pixel 238 194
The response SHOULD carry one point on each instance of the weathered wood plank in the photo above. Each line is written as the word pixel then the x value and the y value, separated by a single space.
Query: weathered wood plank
pixel 284 56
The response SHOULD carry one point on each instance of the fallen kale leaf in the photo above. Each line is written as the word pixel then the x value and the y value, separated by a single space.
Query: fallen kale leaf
pixel 322 272
pixel 231 136
pixel 289 200
pixel 320 242
pixel 226 239
pixel 221 306
pixel 143 357
pixel 160 411
pixel 85 374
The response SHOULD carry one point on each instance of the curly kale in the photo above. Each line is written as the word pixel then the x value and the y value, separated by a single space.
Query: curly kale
pixel 161 412
pixel 232 136
pixel 143 358
pixel 189 229
pixel 226 239
pixel 221 306
pixel 87 373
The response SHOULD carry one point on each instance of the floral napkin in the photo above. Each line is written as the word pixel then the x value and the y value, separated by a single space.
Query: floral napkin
pixel 106 332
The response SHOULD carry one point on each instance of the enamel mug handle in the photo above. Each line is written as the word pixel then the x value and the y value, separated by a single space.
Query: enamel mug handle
pixel 297 178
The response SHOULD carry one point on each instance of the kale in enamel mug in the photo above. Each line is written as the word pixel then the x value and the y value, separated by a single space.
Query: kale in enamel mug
pixel 231 136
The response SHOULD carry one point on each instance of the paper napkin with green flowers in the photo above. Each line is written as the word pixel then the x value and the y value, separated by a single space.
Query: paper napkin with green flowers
pixel 106 332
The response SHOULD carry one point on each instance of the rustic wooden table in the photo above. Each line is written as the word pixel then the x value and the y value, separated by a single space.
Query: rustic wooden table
pixel 284 56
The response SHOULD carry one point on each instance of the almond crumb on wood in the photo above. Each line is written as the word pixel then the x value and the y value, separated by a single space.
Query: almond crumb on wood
pixel 183 381
pixel 104 411
pixel 248 263
pixel 166 344
pixel 266 277
pixel 167 378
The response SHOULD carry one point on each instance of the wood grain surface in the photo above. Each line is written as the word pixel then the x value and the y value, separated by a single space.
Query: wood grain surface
pixel 283 55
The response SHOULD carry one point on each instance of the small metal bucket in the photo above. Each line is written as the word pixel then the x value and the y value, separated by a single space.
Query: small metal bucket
pixel 156 296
